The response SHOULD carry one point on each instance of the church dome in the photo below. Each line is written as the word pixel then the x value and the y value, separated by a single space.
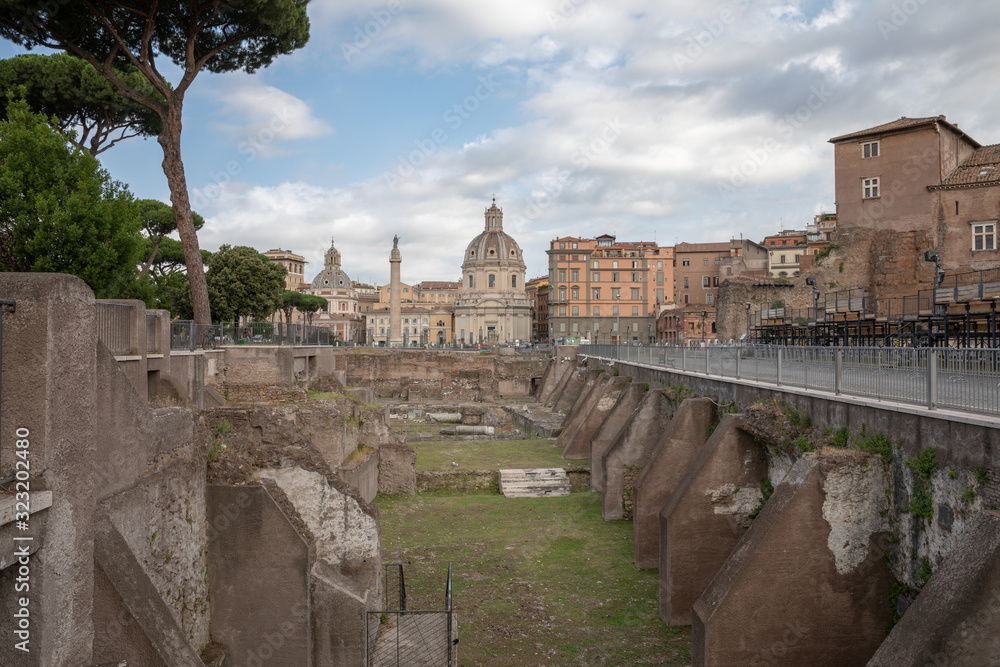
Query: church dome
pixel 332 276
pixel 493 243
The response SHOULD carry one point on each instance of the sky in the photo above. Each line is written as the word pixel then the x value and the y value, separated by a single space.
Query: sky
pixel 653 120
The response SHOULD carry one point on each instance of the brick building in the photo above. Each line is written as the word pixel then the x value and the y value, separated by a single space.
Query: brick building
pixel 295 266
pixel 605 290
pixel 700 268
pixel 922 175
pixel 537 290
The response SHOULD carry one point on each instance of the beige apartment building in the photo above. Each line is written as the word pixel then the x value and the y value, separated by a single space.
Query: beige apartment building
pixel 295 266
pixel 784 251
pixel 607 291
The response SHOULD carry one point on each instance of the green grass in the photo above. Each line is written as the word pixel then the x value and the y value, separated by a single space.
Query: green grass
pixel 536 581
pixel 490 454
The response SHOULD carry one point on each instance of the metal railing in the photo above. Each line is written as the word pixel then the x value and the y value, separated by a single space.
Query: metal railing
pixel 967 380
pixel 397 636
pixel 114 326
pixel 186 335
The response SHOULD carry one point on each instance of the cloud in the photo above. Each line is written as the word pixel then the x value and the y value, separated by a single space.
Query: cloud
pixel 675 120
pixel 265 116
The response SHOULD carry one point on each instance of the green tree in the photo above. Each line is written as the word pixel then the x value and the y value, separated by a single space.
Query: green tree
pixel 161 251
pixel 311 305
pixel 72 95
pixel 243 283
pixel 214 35
pixel 60 211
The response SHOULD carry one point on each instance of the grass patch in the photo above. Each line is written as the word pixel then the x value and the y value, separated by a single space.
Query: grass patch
pixel 536 581
pixel 878 443
pixel 840 437
pixel 489 454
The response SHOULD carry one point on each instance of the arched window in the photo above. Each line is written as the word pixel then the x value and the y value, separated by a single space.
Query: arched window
pixel 470 281
pixel 513 281
pixel 576 292
pixel 492 280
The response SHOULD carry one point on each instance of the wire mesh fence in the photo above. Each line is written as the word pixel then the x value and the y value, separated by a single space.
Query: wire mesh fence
pixel 397 636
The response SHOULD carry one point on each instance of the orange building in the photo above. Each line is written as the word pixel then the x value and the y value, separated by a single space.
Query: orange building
pixel 607 291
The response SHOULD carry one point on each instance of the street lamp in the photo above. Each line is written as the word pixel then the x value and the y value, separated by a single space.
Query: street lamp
pixel 618 315
pixel 748 322
pixel 935 257
pixel 704 314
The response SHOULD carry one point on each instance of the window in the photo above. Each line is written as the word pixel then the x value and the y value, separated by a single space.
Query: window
pixel 718 260
pixel 492 280
pixel 597 312
pixel 715 281
pixel 576 327
pixel 685 299
pixel 706 281
pixel 596 264
pixel 575 292
pixel 597 294
pixel 562 275
pixel 704 261
pixel 635 311
pixel 687 282
pixel 729 269
pixel 636 277
pixel 659 266
pixel 615 293
pixel 685 262
pixel 575 311
pixel 576 275
pixel 870 186
pixel 574 246
pixel 614 311
pixel 635 265
pixel 596 277
pixel 635 293
pixel 659 278
pixel 513 282
pixel 562 326
pixel 562 246
pixel 708 298
pixel 562 293
pixel 984 236
pixel 470 280
pixel 562 311
pixel 614 276
pixel 782 261
pixel 869 149
pixel 659 295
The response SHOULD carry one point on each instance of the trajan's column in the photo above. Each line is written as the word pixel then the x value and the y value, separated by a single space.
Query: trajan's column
pixel 395 319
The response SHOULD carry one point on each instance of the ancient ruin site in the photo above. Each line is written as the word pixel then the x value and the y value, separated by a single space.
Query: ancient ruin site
pixel 316 505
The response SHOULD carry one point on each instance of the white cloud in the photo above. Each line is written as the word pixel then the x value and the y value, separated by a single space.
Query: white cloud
pixel 263 116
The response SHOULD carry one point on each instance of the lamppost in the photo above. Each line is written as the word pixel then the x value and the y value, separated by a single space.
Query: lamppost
pixel 618 315
pixel 748 322
pixel 704 314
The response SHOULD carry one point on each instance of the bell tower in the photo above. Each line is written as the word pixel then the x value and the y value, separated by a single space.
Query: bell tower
pixel 494 218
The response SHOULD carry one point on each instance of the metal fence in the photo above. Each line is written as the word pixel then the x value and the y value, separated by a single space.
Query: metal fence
pixel 397 636
pixel 961 379
pixel 186 335
pixel 114 326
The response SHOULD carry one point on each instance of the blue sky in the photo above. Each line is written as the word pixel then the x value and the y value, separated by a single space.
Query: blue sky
pixel 648 119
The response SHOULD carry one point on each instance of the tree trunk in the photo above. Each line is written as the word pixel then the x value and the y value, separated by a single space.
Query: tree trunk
pixel 173 168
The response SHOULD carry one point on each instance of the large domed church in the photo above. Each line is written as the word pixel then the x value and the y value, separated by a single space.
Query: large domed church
pixel 492 306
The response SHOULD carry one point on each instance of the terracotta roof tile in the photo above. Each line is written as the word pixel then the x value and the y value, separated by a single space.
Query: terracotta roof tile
pixel 983 166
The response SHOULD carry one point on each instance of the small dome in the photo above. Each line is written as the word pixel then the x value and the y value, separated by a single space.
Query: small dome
pixel 493 243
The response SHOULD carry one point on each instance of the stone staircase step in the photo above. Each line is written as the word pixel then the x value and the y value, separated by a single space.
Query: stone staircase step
pixel 534 482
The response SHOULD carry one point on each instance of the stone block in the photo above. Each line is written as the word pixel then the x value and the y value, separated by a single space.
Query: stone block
pixel 706 516
pixel 805 585
pixel 623 401
pixel 669 461
pixel 955 618
pixel 631 449
pixel 397 471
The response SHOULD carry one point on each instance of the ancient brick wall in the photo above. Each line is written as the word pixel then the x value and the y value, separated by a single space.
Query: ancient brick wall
pixel 263 393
